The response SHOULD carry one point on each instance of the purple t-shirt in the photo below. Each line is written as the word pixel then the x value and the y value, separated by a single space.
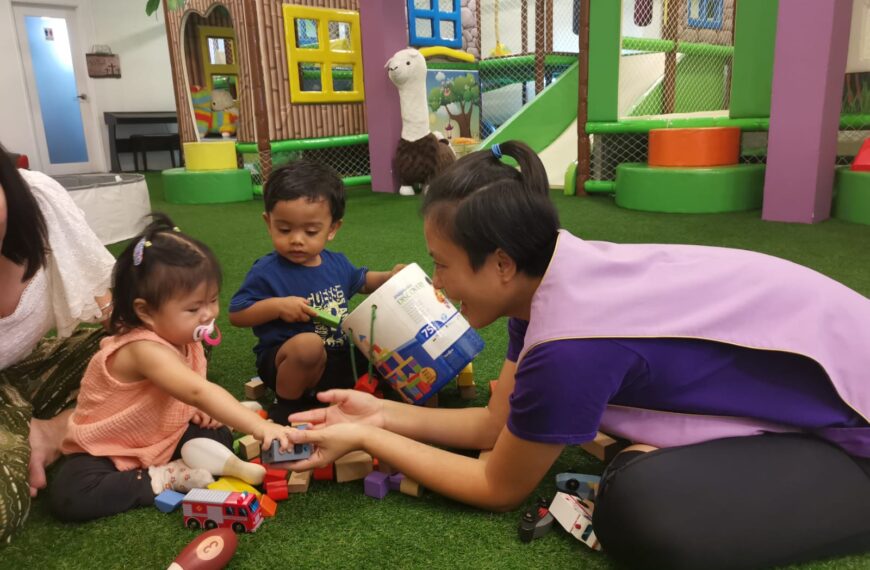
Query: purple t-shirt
pixel 563 386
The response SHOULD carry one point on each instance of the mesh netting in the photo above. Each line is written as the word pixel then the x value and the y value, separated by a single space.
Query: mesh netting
pixel 349 161
pixel 525 45
pixel 676 57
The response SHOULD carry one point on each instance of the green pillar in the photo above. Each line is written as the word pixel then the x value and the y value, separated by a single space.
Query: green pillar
pixel 752 73
pixel 605 25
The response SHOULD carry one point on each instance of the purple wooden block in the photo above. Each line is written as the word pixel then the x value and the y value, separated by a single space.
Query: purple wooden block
pixel 395 481
pixel 375 485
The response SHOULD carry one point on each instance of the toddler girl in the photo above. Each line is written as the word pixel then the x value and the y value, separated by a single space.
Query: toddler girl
pixel 145 393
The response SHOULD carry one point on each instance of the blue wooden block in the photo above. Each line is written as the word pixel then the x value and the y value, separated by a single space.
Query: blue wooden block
pixel 168 501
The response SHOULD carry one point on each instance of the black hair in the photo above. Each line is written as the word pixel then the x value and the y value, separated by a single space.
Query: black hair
pixel 26 241
pixel 172 263
pixel 305 178
pixel 484 204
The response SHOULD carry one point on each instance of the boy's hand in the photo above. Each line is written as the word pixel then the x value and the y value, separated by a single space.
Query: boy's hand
pixel 347 406
pixel 397 268
pixel 203 420
pixel 295 310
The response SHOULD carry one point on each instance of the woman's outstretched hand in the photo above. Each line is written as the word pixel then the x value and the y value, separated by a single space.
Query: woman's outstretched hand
pixel 346 406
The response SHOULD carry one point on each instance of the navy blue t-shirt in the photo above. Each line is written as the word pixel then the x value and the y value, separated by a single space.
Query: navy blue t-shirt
pixel 563 386
pixel 328 286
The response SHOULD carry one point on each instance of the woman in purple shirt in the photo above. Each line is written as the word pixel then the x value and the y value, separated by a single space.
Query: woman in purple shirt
pixel 740 378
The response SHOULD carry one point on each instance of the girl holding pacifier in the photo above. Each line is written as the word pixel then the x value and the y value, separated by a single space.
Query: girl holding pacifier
pixel 145 393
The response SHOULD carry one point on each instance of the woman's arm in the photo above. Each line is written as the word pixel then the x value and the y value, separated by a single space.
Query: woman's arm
pixel 468 428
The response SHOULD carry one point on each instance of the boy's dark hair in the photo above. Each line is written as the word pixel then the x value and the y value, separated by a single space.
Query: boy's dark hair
pixel 483 204
pixel 172 263
pixel 305 178
pixel 26 241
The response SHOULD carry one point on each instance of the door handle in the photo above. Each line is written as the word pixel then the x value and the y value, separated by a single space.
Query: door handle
pixel 82 96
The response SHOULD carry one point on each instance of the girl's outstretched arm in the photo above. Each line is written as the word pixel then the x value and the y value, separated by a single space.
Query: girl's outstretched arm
pixel 161 366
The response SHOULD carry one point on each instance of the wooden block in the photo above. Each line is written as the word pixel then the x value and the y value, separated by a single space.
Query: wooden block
pixel 384 467
pixel 277 490
pixel 249 447
pixel 227 483
pixel 468 392
pixel 254 388
pixel 299 482
pixel 325 473
pixel 353 466
pixel 410 487
pixel 269 506
pixel 275 474
pixel 466 376
pixel 603 447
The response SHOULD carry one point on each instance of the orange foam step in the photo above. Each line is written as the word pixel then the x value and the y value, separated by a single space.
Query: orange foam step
pixel 702 147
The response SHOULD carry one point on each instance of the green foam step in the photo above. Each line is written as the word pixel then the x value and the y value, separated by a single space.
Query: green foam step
pixel 182 186
pixel 852 196
pixel 690 190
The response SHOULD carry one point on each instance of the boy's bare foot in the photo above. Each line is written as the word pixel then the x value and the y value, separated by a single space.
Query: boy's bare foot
pixel 45 439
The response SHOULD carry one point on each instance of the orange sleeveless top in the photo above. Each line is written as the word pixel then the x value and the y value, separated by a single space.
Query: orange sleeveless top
pixel 135 424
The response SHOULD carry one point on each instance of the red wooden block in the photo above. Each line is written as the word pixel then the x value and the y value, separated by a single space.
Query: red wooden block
pixel 366 384
pixel 325 473
pixel 862 159
pixel 256 460
pixel 277 490
pixel 275 474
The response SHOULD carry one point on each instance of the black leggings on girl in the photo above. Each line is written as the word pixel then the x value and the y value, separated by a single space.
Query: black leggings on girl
pixel 748 502
pixel 87 487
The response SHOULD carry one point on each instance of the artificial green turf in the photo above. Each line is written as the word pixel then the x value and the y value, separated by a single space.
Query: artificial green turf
pixel 336 525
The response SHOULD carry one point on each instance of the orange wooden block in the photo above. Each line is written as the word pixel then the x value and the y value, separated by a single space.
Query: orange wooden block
pixel 700 147
pixel 268 506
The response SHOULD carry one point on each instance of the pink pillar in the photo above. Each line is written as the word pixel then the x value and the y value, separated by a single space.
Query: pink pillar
pixel 384 32
pixel 812 42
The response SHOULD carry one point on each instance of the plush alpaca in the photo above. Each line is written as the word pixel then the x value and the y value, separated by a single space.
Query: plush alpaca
pixel 421 154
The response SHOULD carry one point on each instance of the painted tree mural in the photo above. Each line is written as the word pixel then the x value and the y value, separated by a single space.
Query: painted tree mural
pixel 458 96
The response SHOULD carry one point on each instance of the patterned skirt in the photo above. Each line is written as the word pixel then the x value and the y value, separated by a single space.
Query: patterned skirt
pixel 41 386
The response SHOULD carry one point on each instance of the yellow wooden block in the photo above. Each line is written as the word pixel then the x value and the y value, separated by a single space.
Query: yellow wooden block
pixel 219 155
pixel 410 487
pixel 233 484
pixel 466 376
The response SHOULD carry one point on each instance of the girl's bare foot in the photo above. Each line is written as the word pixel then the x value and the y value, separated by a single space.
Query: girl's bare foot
pixel 45 439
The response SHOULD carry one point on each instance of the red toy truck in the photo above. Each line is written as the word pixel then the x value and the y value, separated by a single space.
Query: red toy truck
pixel 212 509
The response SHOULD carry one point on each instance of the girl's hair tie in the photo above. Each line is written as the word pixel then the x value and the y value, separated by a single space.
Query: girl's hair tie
pixel 139 251
pixel 176 229
pixel 496 151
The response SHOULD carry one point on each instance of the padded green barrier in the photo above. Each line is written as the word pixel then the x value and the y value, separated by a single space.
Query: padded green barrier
pixel 690 190
pixel 852 196
pixel 181 186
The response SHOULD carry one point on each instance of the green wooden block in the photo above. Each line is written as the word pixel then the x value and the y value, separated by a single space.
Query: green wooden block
pixel 327 318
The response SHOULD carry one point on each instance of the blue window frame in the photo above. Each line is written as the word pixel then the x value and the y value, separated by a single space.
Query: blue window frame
pixel 437 24
pixel 706 14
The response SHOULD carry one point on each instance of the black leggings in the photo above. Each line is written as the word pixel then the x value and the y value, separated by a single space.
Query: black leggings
pixel 748 502
pixel 87 487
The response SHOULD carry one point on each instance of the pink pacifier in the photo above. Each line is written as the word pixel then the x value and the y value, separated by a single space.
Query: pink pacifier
pixel 205 332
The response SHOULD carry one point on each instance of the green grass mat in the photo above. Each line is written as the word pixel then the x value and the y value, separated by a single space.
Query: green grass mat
pixel 336 525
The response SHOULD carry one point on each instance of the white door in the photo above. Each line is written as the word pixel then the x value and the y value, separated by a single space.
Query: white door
pixel 54 67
